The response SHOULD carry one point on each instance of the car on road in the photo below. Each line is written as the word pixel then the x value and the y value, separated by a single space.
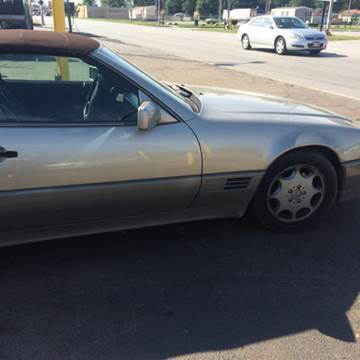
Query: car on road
pixel 90 143
pixel 281 33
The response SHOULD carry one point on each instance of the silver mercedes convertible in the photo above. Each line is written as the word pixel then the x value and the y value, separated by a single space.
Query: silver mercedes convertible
pixel 90 143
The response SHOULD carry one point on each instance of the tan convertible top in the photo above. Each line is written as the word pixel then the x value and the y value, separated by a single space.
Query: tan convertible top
pixel 46 42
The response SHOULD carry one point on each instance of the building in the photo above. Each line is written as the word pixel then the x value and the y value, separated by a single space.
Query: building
pixel 239 15
pixel 103 12
pixel 147 13
pixel 302 12
pixel 316 16
pixel 15 14
pixel 349 16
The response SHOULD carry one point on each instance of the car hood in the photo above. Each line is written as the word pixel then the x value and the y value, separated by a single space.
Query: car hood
pixel 217 103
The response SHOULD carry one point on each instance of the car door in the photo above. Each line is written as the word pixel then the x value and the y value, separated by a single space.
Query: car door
pixel 60 167
pixel 267 38
pixel 255 31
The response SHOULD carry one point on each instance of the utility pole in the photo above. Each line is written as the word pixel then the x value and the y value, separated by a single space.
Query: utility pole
pixel 58 8
pixel 228 21
pixel 220 10
pixel 323 15
pixel 69 15
pixel 41 3
pixel 331 4
pixel 267 6
pixel 158 11
pixel 131 9
pixel 349 8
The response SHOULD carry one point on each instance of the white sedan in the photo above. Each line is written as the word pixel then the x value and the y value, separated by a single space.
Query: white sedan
pixel 281 33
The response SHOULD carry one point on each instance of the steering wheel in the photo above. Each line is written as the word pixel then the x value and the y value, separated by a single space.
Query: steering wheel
pixel 89 105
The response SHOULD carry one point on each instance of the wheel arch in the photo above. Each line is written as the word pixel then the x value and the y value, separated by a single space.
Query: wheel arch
pixel 326 151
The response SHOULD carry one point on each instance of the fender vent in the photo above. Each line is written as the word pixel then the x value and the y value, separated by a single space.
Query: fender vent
pixel 237 183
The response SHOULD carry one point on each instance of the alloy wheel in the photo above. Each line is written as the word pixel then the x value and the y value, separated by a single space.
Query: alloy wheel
pixel 296 193
pixel 245 42
pixel 280 46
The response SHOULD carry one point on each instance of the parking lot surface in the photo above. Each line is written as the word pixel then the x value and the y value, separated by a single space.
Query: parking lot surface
pixel 204 290
pixel 335 71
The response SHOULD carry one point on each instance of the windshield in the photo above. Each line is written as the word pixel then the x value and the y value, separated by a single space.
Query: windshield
pixel 184 94
pixel 289 23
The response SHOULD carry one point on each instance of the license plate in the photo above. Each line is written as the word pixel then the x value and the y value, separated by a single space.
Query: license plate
pixel 316 44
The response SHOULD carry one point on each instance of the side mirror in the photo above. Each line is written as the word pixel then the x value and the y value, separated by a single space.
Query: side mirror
pixel 148 115
pixel 270 27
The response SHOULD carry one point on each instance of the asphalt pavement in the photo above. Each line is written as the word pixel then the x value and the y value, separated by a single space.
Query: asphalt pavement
pixel 222 289
pixel 335 71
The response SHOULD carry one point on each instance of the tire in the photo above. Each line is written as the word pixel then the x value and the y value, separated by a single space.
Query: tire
pixel 245 42
pixel 315 52
pixel 302 184
pixel 280 46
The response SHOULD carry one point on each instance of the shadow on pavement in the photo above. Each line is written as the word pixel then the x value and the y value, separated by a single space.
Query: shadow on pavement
pixel 231 64
pixel 161 292
pixel 305 53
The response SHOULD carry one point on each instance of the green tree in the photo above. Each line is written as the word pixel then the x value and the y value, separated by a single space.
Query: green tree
pixel 173 6
pixel 355 4
pixel 89 2
pixel 308 3
pixel 144 2
pixel 278 3
pixel 341 5
pixel 253 4
pixel 189 6
pixel 113 3
pixel 207 7
pixel 243 4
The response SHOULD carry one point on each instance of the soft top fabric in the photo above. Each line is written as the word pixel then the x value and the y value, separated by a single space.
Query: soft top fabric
pixel 46 42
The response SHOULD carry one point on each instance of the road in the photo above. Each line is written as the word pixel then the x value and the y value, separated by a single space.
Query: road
pixel 335 71
pixel 210 290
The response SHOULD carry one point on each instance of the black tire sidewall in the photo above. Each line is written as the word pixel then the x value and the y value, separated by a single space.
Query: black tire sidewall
pixel 284 51
pixel 242 43
pixel 259 205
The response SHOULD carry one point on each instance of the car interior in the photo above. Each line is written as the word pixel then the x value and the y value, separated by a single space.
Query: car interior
pixel 104 97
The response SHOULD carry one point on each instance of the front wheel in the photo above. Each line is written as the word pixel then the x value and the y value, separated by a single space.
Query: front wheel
pixel 297 190
pixel 280 46
pixel 245 42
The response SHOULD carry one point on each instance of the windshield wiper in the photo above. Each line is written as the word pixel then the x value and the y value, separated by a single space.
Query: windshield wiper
pixel 185 93
pixel 179 88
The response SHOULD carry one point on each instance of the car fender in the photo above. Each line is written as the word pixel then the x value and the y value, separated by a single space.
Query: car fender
pixel 328 139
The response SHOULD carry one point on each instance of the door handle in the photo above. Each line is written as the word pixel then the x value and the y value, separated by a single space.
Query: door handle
pixel 8 154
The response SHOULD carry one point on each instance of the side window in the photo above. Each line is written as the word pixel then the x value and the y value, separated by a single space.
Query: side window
pixel 42 88
pixel 267 22
pixel 257 22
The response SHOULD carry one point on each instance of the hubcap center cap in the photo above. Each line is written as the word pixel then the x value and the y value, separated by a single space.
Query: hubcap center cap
pixel 296 194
